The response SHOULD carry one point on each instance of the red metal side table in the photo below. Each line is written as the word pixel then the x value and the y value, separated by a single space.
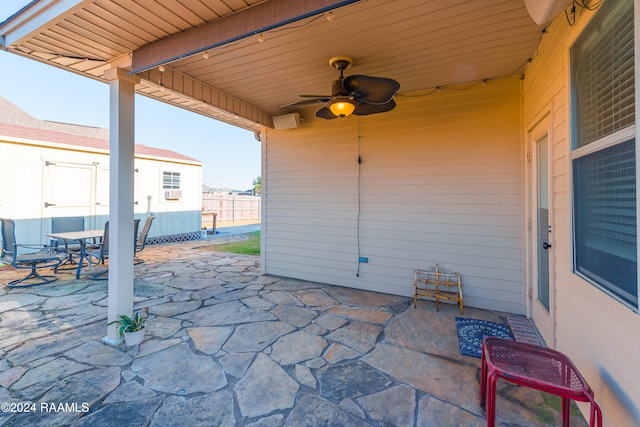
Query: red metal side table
pixel 536 367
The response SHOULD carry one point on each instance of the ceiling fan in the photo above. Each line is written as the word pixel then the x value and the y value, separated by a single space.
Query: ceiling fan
pixel 358 94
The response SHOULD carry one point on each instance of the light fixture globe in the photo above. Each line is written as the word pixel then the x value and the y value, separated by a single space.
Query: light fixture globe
pixel 342 107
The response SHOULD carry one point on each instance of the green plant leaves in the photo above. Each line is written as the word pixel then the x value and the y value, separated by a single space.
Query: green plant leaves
pixel 129 325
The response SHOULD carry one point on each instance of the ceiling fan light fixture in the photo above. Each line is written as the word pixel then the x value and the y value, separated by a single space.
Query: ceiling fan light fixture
pixel 357 94
pixel 342 107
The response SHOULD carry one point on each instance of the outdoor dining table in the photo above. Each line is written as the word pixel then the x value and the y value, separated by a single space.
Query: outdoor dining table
pixel 81 237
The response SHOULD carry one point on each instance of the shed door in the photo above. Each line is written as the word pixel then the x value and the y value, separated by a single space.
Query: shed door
pixel 68 189
pixel 102 191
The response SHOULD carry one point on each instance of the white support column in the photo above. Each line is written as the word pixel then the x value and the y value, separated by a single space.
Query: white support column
pixel 121 158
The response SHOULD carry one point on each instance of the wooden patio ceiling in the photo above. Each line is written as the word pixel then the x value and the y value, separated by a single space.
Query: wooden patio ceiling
pixel 239 60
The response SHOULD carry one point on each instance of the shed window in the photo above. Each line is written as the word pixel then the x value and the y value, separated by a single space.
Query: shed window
pixel 604 153
pixel 171 185
pixel 170 180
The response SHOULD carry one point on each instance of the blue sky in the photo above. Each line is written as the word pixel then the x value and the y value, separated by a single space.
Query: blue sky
pixel 231 155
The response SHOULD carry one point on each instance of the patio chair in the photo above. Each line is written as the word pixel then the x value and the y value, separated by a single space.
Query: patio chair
pixel 45 258
pixel 99 253
pixel 63 225
pixel 141 241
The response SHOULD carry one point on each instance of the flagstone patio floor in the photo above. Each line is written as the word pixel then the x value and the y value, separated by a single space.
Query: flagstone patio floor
pixel 227 346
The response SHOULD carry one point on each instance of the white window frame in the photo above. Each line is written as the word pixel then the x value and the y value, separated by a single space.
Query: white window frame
pixel 611 140
pixel 171 191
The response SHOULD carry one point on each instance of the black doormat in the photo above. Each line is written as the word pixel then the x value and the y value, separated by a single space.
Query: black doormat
pixel 472 331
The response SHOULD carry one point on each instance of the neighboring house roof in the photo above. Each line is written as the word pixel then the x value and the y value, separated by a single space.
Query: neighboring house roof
pixel 15 123
pixel 12 114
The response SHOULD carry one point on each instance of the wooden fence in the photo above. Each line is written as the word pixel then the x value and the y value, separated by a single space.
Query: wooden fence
pixel 229 209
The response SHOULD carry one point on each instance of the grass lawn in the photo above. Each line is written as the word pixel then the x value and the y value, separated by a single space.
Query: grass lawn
pixel 250 246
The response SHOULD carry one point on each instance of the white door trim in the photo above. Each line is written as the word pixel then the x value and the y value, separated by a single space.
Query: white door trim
pixel 544 320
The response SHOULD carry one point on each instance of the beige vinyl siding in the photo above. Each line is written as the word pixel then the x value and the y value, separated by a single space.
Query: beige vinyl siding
pixel 441 181
pixel 600 335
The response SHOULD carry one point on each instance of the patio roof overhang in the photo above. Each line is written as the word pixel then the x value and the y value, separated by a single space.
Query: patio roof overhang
pixel 215 65
pixel 238 61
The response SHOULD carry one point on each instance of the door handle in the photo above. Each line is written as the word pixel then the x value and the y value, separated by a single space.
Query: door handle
pixel 47 204
pixel 546 245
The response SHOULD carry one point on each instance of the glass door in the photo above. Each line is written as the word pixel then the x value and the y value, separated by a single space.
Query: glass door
pixel 542 222
pixel 541 291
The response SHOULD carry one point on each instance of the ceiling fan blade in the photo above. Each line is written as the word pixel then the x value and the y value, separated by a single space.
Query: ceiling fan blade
pixel 315 96
pixel 306 102
pixel 325 113
pixel 372 90
pixel 365 109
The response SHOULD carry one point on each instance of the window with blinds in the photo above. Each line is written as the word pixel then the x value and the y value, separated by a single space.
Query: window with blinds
pixel 603 63
pixel 605 219
pixel 604 155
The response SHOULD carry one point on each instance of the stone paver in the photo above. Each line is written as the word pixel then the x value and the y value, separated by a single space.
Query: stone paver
pixel 366 315
pixel 265 388
pixel 256 336
pixel 178 370
pixel 98 354
pixel 360 336
pixel 351 379
pixel 297 347
pixel 214 409
pixel 226 346
pixel 314 411
pixel 395 405
pixel 210 339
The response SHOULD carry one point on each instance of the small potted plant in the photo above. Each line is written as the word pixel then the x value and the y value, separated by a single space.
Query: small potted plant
pixel 131 329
